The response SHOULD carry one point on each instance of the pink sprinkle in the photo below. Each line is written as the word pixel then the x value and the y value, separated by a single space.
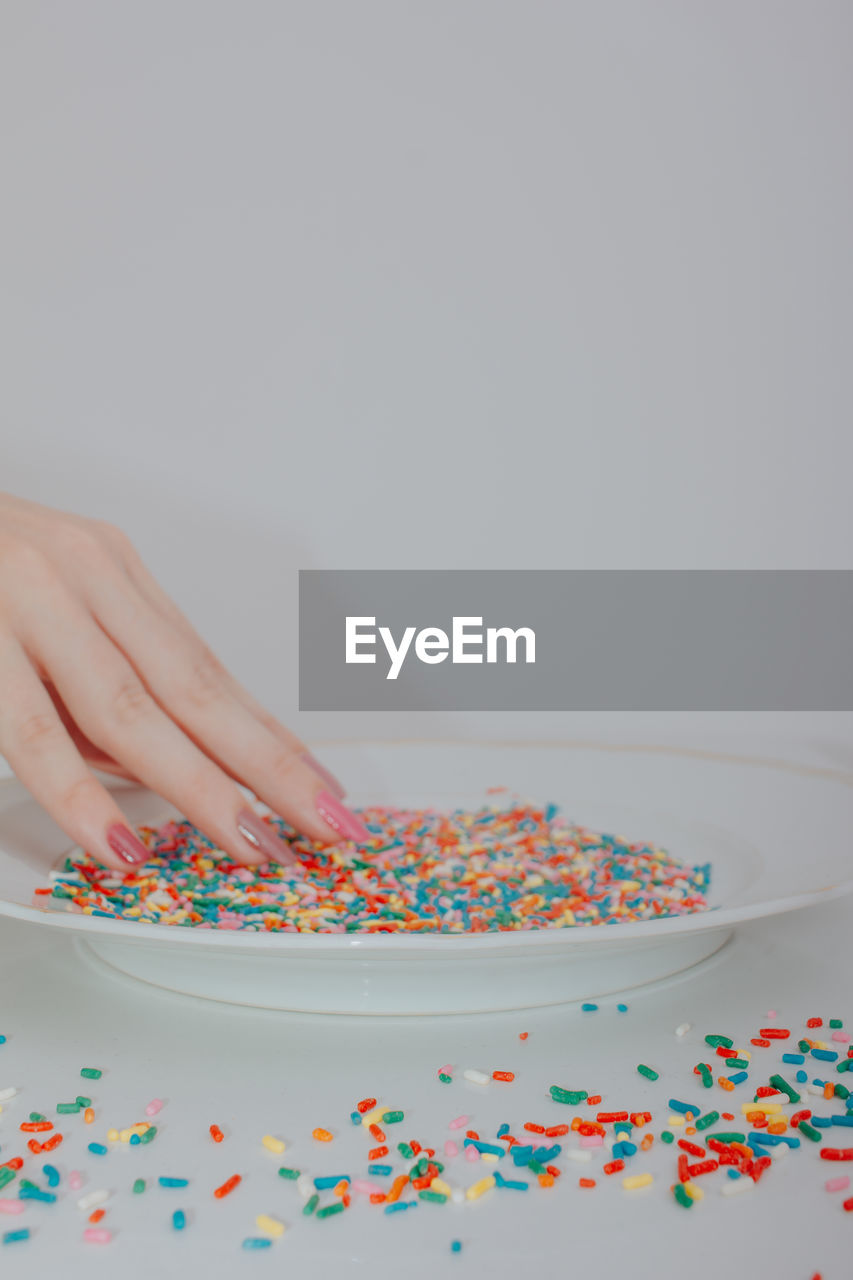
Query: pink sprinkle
pixel 841 1036
pixel 771 1013
pixel 450 1148
pixel 75 1179
pixel 367 1188
pixel 12 1206
pixel 592 1140
pixel 459 1123
pixel 446 1070
pixel 472 1155
pixel 97 1235
pixel 154 1106
pixel 837 1184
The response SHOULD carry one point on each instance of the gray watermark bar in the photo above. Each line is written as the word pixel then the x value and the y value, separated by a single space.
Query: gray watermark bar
pixel 575 640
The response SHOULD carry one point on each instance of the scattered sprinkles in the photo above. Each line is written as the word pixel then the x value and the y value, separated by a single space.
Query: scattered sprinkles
pixel 493 869
pixel 672 1148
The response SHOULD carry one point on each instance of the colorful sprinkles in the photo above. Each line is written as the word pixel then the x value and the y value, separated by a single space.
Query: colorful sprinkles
pixel 699 1150
pixel 515 867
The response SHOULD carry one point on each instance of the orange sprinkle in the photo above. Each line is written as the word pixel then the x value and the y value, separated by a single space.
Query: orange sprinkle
pixel 546 1179
pixel 397 1187
pixel 522 1035
pixel 321 1135
pixel 586 1182
pixel 228 1186
pixel 89 1115
pixel 216 1133
pixel 97 1215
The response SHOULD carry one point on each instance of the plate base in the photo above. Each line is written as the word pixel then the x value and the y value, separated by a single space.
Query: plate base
pixel 460 984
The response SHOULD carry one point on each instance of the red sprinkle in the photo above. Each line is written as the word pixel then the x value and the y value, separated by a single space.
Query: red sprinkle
pixel 366 1104
pixel 503 1075
pixel 836 1153
pixel 775 1033
pixel 614 1166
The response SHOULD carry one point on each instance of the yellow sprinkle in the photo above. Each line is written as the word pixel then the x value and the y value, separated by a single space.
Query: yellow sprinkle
pixel 637 1180
pixel 273 1144
pixel 476 1190
pixel 438 1185
pixel 269 1226
pixel 695 1193
pixel 373 1117
pixel 124 1135
pixel 675 1121
pixel 489 1156
pixel 112 1135
pixel 765 1108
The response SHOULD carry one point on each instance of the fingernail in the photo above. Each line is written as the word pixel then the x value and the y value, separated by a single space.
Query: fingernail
pixel 329 778
pixel 125 844
pixel 260 836
pixel 341 819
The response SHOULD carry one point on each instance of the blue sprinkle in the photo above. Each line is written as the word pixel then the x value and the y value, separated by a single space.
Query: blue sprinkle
pixel 845 1120
pixel 488 1147
pixel 97 1149
pixel 355 1116
pixel 502 1130
pixel 179 1219
pixel 33 1193
pixel 821 1122
pixel 589 1008
pixel 256 1242
pixel 10 1237
pixel 399 1205
pixel 509 1185
pixel 801 1077
pixel 174 1182
pixel 684 1107
pixel 825 1055
pixel 330 1180
pixel 622 1008
pixel 380 1170
pixel 135 1139
pixel 456 1246
pixel 739 1077
pixel 51 1174
pixel 2 1039
pixel 733 1173
pixel 793 1057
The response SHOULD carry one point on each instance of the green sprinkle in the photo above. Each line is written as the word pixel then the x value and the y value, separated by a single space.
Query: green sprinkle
pixel 292 1174
pixel 704 1122
pixel 405 1150
pixel 392 1117
pixel 330 1209
pixel 648 1072
pixel 36 1117
pixel 149 1134
pixel 444 1077
pixel 803 1046
pixel 535 1167
pixel 707 1078
pixel 6 1176
pixel 841 1091
pixel 783 1087
pixel 91 1073
pixel 666 1136
pixel 311 1205
pixel 67 1108
pixel 138 1186
pixel 717 1042
pixel 681 1196
pixel 729 1137
pixel 844 1064
pixel 435 1197
pixel 806 1128
pixel 737 1062
pixel 570 1096
pixel 83 1102
pixel 835 1023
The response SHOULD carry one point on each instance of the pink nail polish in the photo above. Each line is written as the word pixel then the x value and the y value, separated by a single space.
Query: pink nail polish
pixel 123 842
pixel 341 819
pixel 321 770
pixel 260 836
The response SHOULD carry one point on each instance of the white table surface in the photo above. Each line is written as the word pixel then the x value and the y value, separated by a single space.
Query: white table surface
pixel 258 1072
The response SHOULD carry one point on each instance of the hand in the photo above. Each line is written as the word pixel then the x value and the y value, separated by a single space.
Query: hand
pixel 99 667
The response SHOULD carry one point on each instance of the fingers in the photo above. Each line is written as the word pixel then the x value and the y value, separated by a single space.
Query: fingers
pixel 115 711
pixel 39 749
pixel 151 591
pixel 193 687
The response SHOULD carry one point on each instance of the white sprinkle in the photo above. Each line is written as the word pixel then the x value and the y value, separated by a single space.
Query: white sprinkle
pixel 7 1093
pixel 476 1077
pixel 457 1195
pixel 305 1186
pixel 92 1198
pixel 578 1153
pixel 816 1089
pixel 736 1186
pixel 682 1029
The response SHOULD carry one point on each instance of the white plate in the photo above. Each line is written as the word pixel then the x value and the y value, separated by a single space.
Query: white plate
pixel 777 836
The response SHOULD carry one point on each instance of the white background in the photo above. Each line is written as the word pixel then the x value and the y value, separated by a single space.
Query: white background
pixel 468 284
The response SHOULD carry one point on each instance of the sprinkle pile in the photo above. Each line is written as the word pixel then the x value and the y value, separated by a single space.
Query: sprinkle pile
pixel 687 1146
pixel 496 868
